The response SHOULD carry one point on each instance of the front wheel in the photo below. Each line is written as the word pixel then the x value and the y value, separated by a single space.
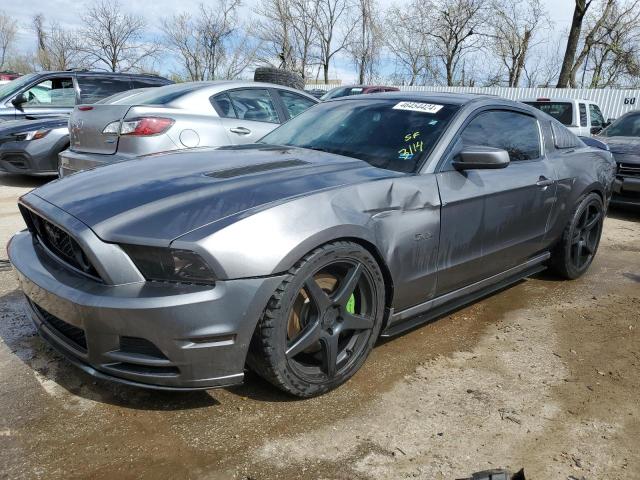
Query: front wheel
pixel 322 322
pixel 577 248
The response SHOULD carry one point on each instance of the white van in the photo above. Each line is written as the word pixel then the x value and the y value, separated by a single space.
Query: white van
pixel 582 117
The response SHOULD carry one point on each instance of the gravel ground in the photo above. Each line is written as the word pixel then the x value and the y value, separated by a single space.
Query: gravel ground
pixel 542 376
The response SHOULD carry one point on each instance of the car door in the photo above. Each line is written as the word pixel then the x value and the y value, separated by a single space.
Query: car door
pixel 492 220
pixel 50 97
pixel 247 114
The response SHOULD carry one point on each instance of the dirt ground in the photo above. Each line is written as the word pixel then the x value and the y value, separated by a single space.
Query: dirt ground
pixel 543 376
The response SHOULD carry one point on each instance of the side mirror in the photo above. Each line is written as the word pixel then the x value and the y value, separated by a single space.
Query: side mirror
pixel 472 158
pixel 596 130
pixel 19 100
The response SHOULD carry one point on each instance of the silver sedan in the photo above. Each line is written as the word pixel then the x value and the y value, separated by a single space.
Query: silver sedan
pixel 186 115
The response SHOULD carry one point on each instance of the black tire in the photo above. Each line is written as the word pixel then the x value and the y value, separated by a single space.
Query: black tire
pixel 580 240
pixel 279 77
pixel 309 317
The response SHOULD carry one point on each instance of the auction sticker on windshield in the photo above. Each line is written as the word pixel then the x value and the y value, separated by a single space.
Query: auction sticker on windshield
pixel 418 107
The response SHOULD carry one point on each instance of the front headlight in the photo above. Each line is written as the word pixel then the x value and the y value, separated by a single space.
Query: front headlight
pixel 170 264
pixel 31 135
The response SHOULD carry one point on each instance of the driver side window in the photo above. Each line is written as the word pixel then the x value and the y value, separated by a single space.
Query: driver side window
pixel 514 132
pixel 54 92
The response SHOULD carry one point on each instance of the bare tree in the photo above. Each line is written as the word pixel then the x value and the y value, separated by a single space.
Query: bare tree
pixel 287 30
pixel 275 30
pixel 303 13
pixel 113 39
pixel 612 44
pixel 210 44
pixel 514 26
pixel 455 27
pixel 573 39
pixel 410 50
pixel 365 45
pixel 333 32
pixel 544 66
pixel 8 28
pixel 57 48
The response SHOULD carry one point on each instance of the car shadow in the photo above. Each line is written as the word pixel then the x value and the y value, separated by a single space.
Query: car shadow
pixel 24 181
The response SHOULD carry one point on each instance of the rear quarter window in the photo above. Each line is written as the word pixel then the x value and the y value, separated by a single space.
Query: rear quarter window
pixel 563 138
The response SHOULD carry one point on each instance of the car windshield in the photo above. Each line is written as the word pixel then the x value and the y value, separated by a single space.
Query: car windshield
pixel 13 86
pixel 561 111
pixel 627 126
pixel 390 134
pixel 342 92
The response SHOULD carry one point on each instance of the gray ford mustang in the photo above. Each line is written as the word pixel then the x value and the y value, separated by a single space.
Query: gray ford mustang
pixel 361 217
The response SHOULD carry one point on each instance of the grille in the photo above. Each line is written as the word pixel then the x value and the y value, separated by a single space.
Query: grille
pixel 59 242
pixel 74 334
pixel 628 169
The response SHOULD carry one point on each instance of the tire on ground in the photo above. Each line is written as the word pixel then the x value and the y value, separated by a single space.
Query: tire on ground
pixel 279 77
pixel 560 261
pixel 266 354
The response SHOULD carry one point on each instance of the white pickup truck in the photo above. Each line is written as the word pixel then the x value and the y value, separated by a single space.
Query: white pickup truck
pixel 582 117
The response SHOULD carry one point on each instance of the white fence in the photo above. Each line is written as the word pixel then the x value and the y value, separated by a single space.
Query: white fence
pixel 612 102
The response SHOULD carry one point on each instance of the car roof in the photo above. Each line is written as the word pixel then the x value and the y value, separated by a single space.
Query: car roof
pixel 94 73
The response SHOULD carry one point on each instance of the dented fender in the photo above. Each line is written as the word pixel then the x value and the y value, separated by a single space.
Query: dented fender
pixel 399 217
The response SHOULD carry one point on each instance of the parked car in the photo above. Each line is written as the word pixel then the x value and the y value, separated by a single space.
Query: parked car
pixel 623 139
pixel 31 147
pixel 51 94
pixel 6 77
pixel 362 215
pixel 582 117
pixel 184 115
pixel 356 90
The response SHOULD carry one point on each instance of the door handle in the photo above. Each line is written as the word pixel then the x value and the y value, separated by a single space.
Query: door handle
pixel 544 181
pixel 241 130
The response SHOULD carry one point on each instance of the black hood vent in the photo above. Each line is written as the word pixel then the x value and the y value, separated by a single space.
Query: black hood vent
pixel 259 168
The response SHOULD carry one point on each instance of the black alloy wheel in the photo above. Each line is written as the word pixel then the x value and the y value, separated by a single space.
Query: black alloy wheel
pixel 322 322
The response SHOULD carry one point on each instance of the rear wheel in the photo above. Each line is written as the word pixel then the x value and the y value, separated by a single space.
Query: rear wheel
pixel 580 239
pixel 322 322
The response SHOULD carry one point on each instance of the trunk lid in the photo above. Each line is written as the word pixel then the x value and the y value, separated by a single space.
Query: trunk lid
pixel 87 123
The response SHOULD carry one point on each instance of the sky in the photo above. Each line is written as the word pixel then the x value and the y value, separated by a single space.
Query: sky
pixel 68 12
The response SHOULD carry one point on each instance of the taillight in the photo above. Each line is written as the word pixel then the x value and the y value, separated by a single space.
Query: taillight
pixel 145 126
pixel 141 127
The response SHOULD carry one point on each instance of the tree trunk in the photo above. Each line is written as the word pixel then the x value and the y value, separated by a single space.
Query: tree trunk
pixel 325 68
pixel 521 58
pixel 572 42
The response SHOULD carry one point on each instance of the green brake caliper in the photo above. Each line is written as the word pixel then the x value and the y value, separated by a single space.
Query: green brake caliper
pixel 351 304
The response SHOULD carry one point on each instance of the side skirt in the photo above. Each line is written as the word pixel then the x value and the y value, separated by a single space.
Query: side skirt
pixel 412 317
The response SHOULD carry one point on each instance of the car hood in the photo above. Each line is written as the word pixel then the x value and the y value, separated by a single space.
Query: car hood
pixel 11 127
pixel 153 200
pixel 625 145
